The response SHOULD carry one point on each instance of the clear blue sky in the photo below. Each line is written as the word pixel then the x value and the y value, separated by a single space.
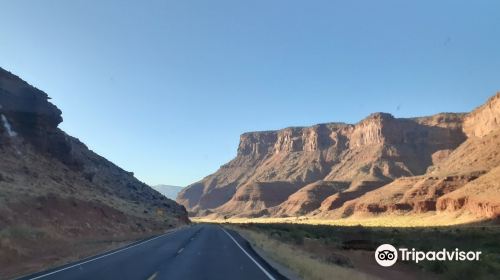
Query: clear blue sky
pixel 165 88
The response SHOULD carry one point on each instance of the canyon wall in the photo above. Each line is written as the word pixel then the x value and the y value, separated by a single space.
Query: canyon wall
pixel 443 163
pixel 298 170
pixel 463 181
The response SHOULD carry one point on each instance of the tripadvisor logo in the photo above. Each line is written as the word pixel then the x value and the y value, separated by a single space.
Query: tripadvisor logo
pixel 387 255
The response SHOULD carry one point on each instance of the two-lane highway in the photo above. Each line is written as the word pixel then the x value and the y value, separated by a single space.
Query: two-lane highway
pixel 195 252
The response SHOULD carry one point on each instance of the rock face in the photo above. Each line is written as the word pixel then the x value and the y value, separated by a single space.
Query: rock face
pixel 52 184
pixel 484 119
pixel 382 165
pixel 480 197
pixel 463 181
pixel 294 170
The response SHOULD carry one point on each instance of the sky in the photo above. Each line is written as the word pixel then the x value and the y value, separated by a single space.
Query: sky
pixel 165 88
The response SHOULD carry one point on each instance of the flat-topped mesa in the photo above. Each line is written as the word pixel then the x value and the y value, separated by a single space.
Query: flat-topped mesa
pixel 257 143
pixel 445 120
pixel 378 128
pixel 307 139
pixel 326 167
pixel 291 139
pixel 378 148
pixel 484 119
pixel 444 129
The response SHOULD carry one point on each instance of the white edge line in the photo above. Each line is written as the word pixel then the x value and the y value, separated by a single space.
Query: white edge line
pixel 248 255
pixel 100 257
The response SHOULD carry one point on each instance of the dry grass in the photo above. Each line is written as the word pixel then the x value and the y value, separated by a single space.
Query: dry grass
pixel 353 247
pixel 302 263
pixel 429 219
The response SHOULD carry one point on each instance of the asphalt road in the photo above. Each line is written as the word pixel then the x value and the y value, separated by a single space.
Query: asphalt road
pixel 195 252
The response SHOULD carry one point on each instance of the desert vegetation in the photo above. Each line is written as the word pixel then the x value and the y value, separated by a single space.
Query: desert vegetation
pixel 321 251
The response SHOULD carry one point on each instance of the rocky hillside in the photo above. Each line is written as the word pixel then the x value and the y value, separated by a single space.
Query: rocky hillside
pixel 55 192
pixel 446 163
pixel 464 182
pixel 298 170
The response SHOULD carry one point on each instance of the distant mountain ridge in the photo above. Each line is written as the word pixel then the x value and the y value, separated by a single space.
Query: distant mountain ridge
pixel 168 190
pixel 324 170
